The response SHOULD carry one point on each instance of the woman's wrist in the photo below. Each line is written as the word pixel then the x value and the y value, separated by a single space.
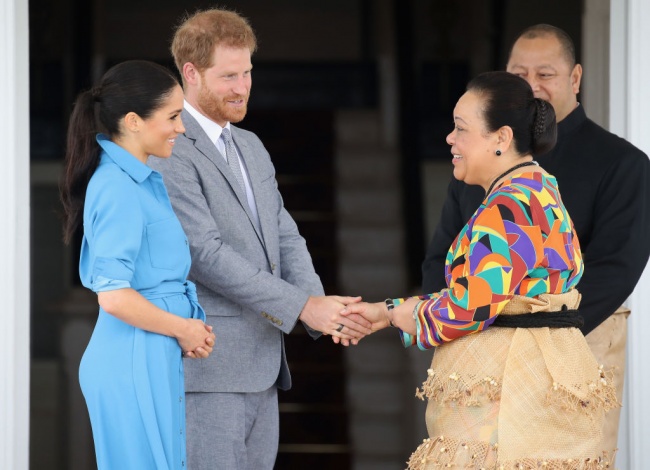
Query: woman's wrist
pixel 389 305
pixel 181 328
pixel 402 315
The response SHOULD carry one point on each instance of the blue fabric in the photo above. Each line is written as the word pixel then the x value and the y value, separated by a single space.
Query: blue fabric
pixel 132 379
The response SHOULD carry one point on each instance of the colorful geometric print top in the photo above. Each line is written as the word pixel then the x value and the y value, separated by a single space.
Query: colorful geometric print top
pixel 520 241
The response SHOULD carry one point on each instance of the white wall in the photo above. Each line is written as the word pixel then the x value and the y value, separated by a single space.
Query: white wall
pixel 594 89
pixel 629 118
pixel 14 236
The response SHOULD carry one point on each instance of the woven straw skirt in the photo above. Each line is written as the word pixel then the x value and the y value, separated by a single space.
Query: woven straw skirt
pixel 517 398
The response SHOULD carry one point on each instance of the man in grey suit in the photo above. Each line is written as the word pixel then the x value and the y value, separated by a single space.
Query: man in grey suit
pixel 253 272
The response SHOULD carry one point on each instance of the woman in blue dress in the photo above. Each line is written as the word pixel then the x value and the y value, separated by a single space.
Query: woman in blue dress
pixel 135 256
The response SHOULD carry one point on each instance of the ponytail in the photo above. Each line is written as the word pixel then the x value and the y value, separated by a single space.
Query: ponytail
pixel 81 161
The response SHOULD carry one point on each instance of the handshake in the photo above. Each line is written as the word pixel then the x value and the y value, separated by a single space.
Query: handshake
pixel 347 319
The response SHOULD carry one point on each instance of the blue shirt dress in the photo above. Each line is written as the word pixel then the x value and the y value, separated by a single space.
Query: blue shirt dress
pixel 132 379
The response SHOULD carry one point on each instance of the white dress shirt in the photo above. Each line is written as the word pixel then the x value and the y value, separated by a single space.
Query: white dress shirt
pixel 213 131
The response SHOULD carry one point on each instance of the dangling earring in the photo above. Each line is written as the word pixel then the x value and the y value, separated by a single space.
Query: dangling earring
pixel 498 152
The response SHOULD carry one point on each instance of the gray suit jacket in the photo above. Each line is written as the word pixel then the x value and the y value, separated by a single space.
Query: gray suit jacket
pixel 252 284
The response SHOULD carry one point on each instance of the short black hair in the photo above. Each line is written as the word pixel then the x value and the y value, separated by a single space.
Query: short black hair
pixel 541 30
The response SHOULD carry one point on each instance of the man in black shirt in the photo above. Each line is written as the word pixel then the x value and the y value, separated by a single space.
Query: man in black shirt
pixel 605 185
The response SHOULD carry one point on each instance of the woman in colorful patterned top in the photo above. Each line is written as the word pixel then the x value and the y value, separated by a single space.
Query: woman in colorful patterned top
pixel 525 392
pixel 135 256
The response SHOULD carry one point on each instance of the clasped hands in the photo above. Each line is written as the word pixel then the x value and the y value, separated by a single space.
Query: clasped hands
pixel 346 319
pixel 197 339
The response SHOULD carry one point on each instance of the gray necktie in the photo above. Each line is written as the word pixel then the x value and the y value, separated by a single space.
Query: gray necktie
pixel 232 158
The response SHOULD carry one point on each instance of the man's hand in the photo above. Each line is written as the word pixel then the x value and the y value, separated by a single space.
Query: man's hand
pixel 324 314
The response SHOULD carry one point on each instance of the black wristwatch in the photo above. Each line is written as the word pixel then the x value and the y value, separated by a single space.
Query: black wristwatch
pixel 390 305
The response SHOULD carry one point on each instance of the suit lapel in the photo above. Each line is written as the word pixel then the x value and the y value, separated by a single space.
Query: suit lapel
pixel 251 163
pixel 202 143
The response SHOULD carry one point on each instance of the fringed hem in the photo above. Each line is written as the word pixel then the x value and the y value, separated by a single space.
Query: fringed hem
pixel 601 395
pixel 444 452
pixel 453 388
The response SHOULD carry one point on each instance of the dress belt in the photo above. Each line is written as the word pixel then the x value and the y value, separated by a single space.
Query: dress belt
pixel 174 287
pixel 543 311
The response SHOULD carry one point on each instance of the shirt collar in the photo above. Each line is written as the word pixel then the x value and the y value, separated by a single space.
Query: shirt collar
pixel 211 128
pixel 574 119
pixel 125 160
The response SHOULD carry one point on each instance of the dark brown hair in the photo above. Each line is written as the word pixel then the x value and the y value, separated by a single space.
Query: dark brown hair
pixel 135 86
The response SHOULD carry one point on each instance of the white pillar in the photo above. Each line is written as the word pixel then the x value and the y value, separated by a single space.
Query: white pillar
pixel 595 60
pixel 14 236
pixel 629 118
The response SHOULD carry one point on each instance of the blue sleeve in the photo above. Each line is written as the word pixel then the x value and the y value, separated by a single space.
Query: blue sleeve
pixel 114 226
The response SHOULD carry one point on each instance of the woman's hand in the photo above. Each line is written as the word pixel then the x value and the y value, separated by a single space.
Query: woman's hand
pixel 401 316
pixel 196 339
pixel 376 313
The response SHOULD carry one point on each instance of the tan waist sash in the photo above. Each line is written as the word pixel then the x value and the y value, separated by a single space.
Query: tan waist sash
pixel 543 303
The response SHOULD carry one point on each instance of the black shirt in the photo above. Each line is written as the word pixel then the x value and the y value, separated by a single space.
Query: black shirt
pixel 604 182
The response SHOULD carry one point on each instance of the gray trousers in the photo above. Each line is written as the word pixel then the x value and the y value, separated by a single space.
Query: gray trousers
pixel 232 431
